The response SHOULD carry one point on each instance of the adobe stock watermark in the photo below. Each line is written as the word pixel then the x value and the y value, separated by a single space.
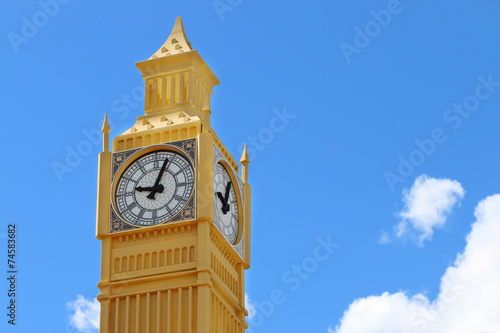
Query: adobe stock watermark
pixel 420 320
pixel 453 116
pixel 371 29
pixel 223 6
pixel 292 279
pixel 364 35
pixel 93 138
pixel 277 124
pixel 31 26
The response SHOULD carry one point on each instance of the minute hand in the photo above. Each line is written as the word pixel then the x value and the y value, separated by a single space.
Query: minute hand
pixel 226 207
pixel 157 188
pixel 228 188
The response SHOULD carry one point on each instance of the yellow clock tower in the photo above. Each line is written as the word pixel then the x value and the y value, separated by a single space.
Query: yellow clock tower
pixel 173 213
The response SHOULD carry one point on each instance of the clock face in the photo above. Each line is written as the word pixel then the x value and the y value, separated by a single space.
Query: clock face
pixel 154 188
pixel 226 204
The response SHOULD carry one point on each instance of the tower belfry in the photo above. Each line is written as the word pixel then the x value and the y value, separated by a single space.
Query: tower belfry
pixel 173 212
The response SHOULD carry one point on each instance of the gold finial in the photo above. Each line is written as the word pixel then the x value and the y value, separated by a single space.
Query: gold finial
pixel 244 160
pixel 105 133
pixel 176 43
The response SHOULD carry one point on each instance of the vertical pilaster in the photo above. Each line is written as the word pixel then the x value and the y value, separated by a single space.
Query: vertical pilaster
pixel 181 88
pixel 103 194
pixel 104 316
pixel 154 103
pixel 172 89
pixel 203 282
pixel 205 217
pixel 205 187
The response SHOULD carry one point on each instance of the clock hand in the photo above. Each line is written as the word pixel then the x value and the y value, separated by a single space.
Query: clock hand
pixel 140 188
pixel 227 207
pixel 156 186
pixel 221 197
pixel 227 191
pixel 224 203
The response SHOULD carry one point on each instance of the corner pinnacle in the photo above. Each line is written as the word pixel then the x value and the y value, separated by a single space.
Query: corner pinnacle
pixel 105 125
pixel 244 157
pixel 244 165
pixel 105 133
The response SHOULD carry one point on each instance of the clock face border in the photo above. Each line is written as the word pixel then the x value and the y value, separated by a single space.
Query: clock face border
pixel 238 245
pixel 123 159
pixel 234 188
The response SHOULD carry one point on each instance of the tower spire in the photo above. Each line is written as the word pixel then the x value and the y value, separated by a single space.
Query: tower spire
pixel 105 133
pixel 176 43
pixel 244 164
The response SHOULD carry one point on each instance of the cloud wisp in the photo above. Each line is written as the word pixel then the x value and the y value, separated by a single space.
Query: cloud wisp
pixel 427 204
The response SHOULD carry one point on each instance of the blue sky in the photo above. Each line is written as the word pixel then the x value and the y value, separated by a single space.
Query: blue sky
pixel 389 114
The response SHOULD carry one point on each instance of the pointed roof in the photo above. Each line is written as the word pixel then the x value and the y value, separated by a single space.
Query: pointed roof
pixel 105 125
pixel 176 43
pixel 244 157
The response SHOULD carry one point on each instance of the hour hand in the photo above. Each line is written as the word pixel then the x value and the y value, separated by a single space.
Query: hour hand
pixel 221 197
pixel 225 205
pixel 140 188
pixel 155 189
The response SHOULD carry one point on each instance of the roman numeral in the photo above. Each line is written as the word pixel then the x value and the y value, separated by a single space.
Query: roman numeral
pixel 141 167
pixel 130 180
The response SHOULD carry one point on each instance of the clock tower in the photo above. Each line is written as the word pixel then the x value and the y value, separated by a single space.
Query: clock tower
pixel 173 211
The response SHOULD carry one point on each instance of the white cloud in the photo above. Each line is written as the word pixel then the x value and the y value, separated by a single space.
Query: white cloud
pixel 427 205
pixel 250 308
pixel 86 314
pixel 468 301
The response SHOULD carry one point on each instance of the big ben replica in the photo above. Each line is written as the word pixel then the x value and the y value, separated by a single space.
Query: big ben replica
pixel 173 213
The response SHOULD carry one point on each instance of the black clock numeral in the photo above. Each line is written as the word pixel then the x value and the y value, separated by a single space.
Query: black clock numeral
pixel 141 167
pixel 155 162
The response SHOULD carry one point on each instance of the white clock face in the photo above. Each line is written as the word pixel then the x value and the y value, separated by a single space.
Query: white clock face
pixel 154 188
pixel 226 204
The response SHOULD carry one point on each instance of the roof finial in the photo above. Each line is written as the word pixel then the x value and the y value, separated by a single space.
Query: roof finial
pixel 244 164
pixel 176 43
pixel 105 133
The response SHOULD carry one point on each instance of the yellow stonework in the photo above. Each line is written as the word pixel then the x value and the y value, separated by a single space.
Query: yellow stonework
pixel 181 274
